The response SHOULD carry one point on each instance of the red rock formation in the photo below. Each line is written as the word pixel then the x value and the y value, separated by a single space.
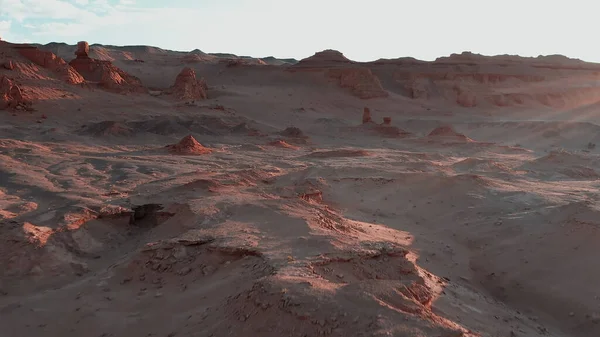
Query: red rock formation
pixel 188 146
pixel 104 72
pixel 385 129
pixel 52 62
pixel 11 96
pixel 366 116
pixel 542 61
pixel 83 49
pixel 188 87
pixel 363 83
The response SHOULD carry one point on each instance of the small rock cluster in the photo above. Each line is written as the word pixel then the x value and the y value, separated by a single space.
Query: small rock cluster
pixel 368 119
pixel 11 96
pixel 384 129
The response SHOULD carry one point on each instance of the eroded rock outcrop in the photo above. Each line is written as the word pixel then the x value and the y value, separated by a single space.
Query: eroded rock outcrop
pixel 83 49
pixel 104 73
pixel 471 80
pixel 187 86
pixel 541 61
pixel 361 81
pixel 385 129
pixel 48 60
pixel 11 95
pixel 188 146
pixel 325 58
pixel 192 58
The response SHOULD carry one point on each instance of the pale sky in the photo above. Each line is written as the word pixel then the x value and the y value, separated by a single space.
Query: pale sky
pixel 362 30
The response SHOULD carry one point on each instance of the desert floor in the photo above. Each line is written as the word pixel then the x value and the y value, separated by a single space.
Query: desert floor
pixel 337 228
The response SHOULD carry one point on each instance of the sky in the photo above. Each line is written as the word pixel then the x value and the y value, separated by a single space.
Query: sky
pixel 362 30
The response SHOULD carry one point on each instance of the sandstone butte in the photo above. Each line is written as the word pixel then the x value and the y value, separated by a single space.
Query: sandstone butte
pixel 359 80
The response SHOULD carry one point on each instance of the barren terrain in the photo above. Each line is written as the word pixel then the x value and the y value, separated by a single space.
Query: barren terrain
pixel 146 192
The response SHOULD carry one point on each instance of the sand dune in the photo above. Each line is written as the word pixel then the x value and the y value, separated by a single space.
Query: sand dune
pixel 268 197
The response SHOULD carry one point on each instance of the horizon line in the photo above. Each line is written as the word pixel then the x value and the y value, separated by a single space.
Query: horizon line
pixel 540 56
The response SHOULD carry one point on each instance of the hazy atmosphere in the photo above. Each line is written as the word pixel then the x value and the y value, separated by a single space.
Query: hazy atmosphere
pixel 283 28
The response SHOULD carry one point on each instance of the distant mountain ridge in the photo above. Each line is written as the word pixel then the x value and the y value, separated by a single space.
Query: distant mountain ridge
pixel 133 52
